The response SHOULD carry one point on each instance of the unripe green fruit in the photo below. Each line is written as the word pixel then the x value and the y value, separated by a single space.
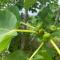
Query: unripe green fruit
pixel 52 28
pixel 41 31
pixel 46 35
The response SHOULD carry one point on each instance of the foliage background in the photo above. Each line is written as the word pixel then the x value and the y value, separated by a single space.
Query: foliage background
pixel 24 37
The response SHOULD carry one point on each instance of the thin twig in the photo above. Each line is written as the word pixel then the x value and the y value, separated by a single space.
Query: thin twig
pixel 36 51
pixel 19 30
pixel 55 46
pixel 27 24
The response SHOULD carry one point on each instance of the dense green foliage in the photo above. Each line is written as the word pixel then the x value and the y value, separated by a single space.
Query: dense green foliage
pixel 24 37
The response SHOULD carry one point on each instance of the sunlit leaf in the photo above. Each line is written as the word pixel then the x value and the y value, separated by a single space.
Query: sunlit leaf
pixel 8 22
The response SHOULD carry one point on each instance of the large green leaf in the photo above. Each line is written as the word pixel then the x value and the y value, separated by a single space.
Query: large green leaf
pixel 7 19
pixel 5 38
pixel 29 3
pixel 8 22
pixel 17 55
pixel 15 11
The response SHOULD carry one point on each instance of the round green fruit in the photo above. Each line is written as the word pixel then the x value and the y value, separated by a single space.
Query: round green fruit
pixel 52 28
pixel 46 35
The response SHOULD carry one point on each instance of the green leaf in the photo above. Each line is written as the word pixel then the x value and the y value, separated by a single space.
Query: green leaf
pixel 17 55
pixel 8 23
pixel 29 3
pixel 50 50
pixel 5 39
pixel 15 11
pixel 42 55
pixel 7 19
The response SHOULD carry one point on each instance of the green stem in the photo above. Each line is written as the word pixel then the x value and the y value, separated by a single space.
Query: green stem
pixel 27 24
pixel 20 30
pixel 36 51
pixel 55 46
pixel 27 31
